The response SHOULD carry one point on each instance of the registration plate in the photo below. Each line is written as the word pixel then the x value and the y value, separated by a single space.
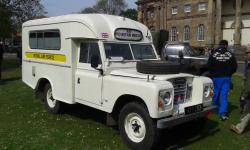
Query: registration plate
pixel 193 109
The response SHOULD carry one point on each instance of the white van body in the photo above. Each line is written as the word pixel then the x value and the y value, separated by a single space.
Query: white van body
pixel 75 82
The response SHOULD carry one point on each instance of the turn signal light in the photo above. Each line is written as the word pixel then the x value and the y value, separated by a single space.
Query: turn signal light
pixel 211 94
pixel 161 104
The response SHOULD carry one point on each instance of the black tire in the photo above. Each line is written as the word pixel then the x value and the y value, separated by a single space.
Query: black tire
pixel 57 108
pixel 158 67
pixel 150 137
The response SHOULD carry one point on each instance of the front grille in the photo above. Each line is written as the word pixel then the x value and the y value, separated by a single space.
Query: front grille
pixel 180 88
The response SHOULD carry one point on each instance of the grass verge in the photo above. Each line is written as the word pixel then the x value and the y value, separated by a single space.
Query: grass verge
pixel 25 124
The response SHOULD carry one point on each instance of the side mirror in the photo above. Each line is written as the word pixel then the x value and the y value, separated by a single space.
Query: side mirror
pixel 181 55
pixel 94 61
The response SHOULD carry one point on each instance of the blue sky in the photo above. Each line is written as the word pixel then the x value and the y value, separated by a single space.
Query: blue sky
pixel 62 7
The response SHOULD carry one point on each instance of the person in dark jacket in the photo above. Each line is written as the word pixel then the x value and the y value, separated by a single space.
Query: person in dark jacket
pixel 222 64
pixel 240 127
pixel 1 59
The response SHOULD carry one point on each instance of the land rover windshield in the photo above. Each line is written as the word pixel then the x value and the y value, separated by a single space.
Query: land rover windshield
pixel 129 51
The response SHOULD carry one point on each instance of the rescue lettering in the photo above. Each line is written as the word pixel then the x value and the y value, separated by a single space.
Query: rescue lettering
pixel 44 56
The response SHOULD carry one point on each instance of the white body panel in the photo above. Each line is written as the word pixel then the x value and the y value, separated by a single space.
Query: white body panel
pixel 75 82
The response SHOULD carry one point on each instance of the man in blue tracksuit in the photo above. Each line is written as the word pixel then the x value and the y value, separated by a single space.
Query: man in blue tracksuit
pixel 222 64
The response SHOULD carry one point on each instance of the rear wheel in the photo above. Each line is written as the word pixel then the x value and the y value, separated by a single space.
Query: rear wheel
pixel 136 127
pixel 52 105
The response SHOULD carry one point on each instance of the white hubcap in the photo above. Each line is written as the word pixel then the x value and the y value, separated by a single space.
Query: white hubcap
pixel 51 101
pixel 135 127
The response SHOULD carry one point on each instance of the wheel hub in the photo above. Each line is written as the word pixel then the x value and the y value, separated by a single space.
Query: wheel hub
pixel 51 101
pixel 135 127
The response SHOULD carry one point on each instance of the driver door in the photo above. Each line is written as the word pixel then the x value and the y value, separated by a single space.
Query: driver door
pixel 88 81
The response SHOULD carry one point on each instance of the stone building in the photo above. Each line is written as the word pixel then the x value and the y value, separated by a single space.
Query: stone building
pixel 199 22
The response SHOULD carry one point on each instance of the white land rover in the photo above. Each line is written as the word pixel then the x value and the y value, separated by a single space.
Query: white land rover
pixel 99 61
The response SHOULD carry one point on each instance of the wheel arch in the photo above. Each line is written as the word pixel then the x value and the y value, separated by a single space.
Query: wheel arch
pixel 39 89
pixel 123 100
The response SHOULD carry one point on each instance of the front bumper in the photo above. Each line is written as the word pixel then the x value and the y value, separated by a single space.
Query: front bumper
pixel 176 120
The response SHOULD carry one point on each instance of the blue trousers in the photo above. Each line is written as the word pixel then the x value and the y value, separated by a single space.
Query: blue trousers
pixel 221 90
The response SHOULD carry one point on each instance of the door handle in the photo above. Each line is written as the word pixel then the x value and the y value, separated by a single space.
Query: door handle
pixel 78 80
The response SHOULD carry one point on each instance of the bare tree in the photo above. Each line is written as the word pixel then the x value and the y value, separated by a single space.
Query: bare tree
pixel 114 7
pixel 23 10
pixel 88 10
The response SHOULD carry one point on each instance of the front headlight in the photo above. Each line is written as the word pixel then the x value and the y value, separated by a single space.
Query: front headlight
pixel 165 99
pixel 208 92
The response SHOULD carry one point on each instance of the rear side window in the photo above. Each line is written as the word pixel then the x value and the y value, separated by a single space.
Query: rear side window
pixel 45 40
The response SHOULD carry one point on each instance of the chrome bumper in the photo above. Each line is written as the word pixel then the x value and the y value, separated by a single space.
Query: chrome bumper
pixel 176 120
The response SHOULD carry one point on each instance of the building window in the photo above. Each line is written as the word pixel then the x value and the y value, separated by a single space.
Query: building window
pixel 173 34
pixel 201 31
pixel 45 40
pixel 186 33
pixel 202 6
pixel 174 10
pixel 151 13
pixel 187 8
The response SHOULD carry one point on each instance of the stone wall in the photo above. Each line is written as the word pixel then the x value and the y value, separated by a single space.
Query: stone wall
pixel 157 14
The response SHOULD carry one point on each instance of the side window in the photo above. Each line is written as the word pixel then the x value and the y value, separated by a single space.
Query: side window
pixel 52 40
pixel 40 42
pixel 87 50
pixel 33 40
pixel 45 40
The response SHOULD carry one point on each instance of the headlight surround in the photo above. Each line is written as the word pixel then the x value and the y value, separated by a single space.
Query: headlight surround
pixel 208 92
pixel 165 99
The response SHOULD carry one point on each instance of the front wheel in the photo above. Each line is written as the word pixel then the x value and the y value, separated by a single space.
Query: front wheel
pixel 136 127
pixel 53 106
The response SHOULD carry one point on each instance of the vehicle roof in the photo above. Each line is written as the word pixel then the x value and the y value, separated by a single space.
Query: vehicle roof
pixel 97 23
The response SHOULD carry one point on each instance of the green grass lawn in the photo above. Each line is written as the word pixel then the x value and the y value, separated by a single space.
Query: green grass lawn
pixel 25 124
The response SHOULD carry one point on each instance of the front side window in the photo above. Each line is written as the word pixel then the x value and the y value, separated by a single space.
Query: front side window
pixel 118 50
pixel 143 51
pixel 87 51
pixel 129 51
pixel 173 34
pixel 45 40
pixel 186 33
pixel 201 31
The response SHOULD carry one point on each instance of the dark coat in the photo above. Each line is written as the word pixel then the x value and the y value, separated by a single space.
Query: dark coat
pixel 222 63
